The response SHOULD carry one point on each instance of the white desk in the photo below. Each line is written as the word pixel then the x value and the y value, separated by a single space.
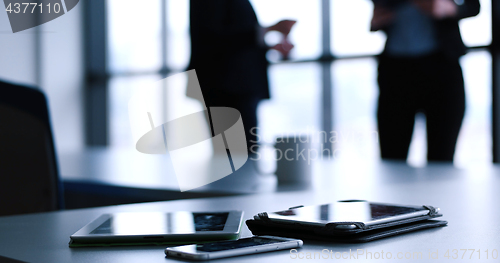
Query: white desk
pixel 129 176
pixel 467 198
pixel 130 168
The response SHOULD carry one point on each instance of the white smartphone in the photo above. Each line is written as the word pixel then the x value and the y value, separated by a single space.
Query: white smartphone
pixel 222 249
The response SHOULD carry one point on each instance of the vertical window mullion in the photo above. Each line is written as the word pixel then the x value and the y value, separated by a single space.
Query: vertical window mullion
pixel 495 55
pixel 164 68
pixel 326 107
pixel 96 88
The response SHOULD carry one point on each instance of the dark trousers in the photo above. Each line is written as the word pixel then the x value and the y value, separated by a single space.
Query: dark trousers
pixel 246 105
pixel 432 85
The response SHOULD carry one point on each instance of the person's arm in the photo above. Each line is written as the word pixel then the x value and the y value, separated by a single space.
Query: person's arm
pixel 449 9
pixel 382 17
pixel 211 19
pixel 284 27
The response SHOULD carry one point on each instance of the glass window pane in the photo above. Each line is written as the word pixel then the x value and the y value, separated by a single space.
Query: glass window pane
pixel 350 25
pixel 134 35
pixel 355 105
pixel 350 28
pixel 355 101
pixel 355 94
pixel 178 39
pixel 476 31
pixel 295 104
pixel 474 142
pixel 167 100
pixel 306 34
pixel 121 90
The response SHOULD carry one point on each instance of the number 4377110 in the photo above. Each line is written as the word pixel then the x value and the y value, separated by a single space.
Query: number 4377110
pixel 32 8
pixel 471 254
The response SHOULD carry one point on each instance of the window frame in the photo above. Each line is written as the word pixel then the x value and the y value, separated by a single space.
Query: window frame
pixel 97 75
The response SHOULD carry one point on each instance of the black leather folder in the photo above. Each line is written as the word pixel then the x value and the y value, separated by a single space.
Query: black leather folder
pixel 262 225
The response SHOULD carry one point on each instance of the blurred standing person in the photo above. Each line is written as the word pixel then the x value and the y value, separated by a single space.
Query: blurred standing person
pixel 228 53
pixel 419 71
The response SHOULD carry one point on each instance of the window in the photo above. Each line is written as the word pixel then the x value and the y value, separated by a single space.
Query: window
pixel 476 31
pixel 134 36
pixel 350 25
pixel 147 43
pixel 306 34
pixel 355 86
pixel 136 47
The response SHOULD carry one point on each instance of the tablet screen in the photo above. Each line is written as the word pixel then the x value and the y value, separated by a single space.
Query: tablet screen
pixel 347 211
pixel 161 223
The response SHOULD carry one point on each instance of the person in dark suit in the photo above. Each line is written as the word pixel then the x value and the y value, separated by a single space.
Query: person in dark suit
pixel 229 55
pixel 419 71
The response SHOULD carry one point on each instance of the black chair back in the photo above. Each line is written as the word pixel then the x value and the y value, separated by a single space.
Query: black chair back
pixel 29 176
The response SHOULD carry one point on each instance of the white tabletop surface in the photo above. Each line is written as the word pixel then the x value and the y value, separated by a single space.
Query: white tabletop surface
pixel 468 198
pixel 130 168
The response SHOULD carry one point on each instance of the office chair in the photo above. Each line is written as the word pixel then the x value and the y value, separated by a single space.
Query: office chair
pixel 29 177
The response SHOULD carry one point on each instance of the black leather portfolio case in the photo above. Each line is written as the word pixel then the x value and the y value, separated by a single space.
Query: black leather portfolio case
pixel 262 225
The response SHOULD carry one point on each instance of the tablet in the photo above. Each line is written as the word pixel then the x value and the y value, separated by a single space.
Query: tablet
pixel 369 213
pixel 158 227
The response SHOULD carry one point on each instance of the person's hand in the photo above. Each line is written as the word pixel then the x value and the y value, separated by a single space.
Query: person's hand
pixel 444 9
pixel 425 5
pixel 283 26
pixel 284 48
pixel 438 9
pixel 381 17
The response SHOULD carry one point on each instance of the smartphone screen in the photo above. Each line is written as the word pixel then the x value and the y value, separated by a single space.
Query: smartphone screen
pixel 242 243
pixel 243 246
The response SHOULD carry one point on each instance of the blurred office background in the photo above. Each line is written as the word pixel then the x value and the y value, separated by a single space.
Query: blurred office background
pixel 90 63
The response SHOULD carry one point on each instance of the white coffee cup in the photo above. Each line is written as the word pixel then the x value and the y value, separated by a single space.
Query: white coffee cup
pixel 293 164
pixel 292 160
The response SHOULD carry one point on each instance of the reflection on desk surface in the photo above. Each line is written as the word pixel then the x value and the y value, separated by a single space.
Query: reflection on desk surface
pixel 128 168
